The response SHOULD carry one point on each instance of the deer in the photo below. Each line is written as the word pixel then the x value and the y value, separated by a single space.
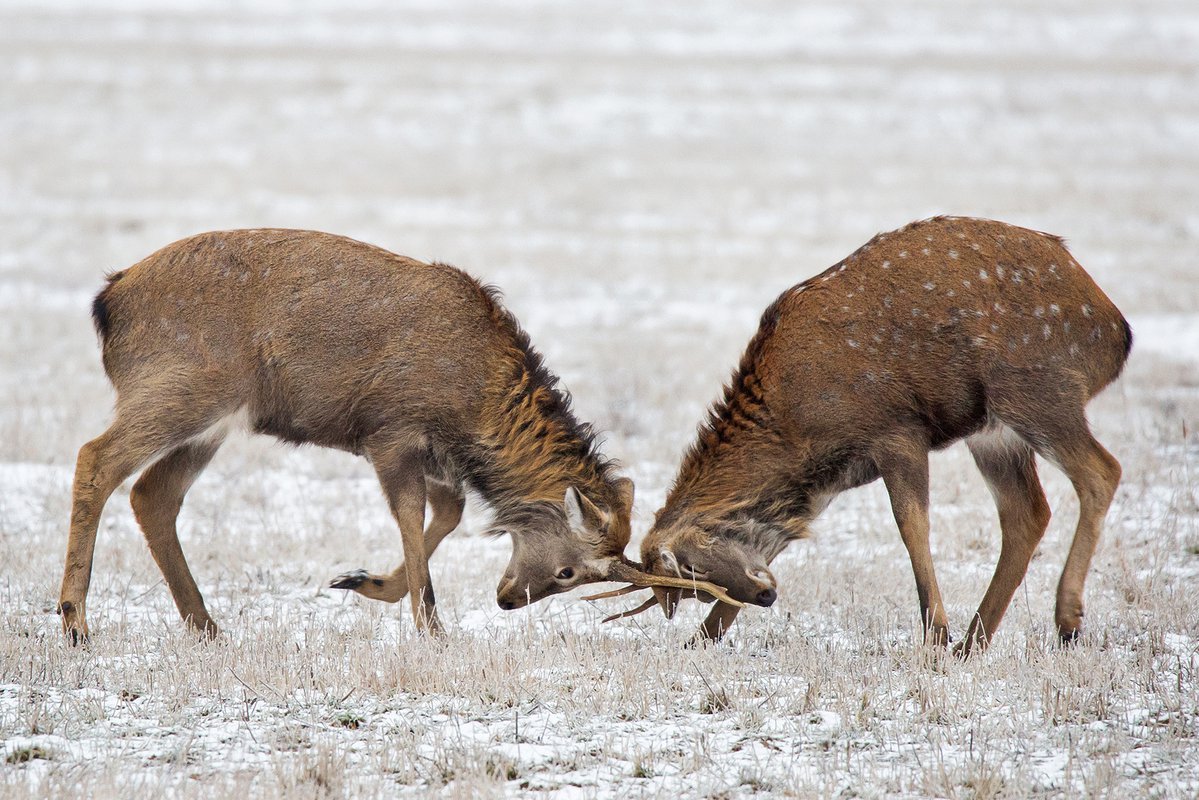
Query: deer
pixel 948 329
pixel 319 339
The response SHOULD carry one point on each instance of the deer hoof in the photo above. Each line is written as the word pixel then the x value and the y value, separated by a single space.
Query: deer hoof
pixel 350 580
pixel 74 626
pixel 1067 637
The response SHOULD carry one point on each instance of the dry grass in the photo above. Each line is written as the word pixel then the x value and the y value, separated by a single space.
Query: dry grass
pixel 641 184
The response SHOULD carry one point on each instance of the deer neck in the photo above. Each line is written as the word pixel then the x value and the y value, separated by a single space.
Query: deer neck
pixel 531 447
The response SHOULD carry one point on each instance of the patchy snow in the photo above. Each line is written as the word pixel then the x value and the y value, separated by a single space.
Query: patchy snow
pixel 641 180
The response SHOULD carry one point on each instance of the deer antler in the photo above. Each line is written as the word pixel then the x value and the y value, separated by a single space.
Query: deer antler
pixel 632 587
pixel 632 612
pixel 638 578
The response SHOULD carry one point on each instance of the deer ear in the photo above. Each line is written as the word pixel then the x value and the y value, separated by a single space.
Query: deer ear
pixel 582 515
pixel 624 490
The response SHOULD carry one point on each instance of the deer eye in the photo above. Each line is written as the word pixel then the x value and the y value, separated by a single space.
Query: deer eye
pixel 565 574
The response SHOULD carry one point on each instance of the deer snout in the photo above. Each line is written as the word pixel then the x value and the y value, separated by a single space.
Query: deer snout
pixel 509 596
pixel 765 584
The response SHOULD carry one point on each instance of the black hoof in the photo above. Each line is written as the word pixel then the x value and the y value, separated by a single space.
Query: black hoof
pixel 349 580
pixel 1068 638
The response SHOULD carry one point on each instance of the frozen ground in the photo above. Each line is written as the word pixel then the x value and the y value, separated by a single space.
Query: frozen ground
pixel 641 179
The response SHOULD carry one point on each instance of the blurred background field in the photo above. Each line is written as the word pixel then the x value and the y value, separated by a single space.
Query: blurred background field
pixel 641 180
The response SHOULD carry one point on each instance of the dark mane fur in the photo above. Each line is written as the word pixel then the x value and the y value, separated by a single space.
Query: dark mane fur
pixel 741 407
pixel 534 445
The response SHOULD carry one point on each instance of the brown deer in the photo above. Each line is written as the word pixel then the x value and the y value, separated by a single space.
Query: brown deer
pixel 947 329
pixel 319 339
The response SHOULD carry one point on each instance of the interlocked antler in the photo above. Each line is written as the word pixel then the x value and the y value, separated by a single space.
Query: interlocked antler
pixel 638 578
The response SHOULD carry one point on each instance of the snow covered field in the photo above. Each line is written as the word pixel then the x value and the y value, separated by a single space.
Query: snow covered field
pixel 641 179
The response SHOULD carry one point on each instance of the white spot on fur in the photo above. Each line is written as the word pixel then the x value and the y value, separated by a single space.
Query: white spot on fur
pixel 903 253
pixel 852 343
pixel 982 275
pixel 1038 312
pixel 1045 332
pixel 1000 272
pixel 1055 309
pixel 886 265
pixel 953 254
pixel 1086 310
pixel 926 251
pixel 929 286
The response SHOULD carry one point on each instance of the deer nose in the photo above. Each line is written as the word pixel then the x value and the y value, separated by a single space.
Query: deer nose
pixel 766 597
pixel 506 605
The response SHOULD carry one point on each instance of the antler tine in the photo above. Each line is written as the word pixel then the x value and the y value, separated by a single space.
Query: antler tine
pixel 632 587
pixel 646 606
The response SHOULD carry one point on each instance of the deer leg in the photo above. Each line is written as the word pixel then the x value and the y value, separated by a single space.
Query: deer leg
pixel 447 503
pixel 1095 474
pixel 904 469
pixel 716 625
pixel 156 498
pixel 139 433
pixel 1010 470
pixel 1058 431
pixel 402 477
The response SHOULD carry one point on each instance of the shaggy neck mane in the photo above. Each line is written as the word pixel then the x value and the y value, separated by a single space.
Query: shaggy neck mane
pixel 532 446
pixel 720 474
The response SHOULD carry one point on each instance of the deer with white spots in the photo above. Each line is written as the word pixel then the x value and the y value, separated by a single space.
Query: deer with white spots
pixel 947 329
pixel 318 339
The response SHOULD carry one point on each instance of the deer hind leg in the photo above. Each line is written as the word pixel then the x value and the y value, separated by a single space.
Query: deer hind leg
pixel 1095 474
pixel 447 503
pixel 1056 427
pixel 904 468
pixel 142 430
pixel 156 498
pixel 1006 462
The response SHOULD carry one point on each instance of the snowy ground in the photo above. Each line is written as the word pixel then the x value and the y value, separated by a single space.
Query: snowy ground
pixel 641 179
